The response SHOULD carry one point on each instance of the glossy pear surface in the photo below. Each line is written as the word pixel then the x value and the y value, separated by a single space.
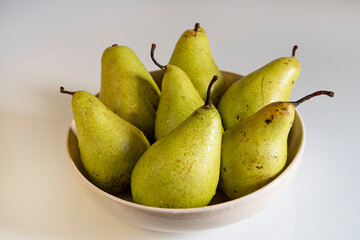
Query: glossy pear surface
pixel 254 151
pixel 128 89
pixel 181 170
pixel 178 100
pixel 109 146
pixel 270 83
pixel 192 54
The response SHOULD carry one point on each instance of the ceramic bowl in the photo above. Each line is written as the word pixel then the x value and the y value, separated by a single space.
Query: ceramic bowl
pixel 220 212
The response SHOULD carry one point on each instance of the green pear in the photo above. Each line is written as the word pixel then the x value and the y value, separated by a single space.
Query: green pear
pixel 109 146
pixel 178 100
pixel 270 83
pixel 192 54
pixel 254 151
pixel 128 89
pixel 181 169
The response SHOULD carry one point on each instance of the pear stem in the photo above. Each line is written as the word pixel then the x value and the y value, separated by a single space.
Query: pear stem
pixel 153 46
pixel 322 92
pixel 62 90
pixel 294 50
pixel 208 100
pixel 114 45
pixel 196 28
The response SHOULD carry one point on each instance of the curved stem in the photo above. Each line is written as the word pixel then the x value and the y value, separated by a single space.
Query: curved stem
pixel 62 90
pixel 153 46
pixel 294 50
pixel 208 100
pixel 317 93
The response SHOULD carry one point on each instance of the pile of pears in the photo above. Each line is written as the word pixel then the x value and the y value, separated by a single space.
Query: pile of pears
pixel 175 147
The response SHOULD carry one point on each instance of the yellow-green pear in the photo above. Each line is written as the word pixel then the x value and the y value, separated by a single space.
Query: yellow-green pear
pixel 192 54
pixel 128 89
pixel 254 151
pixel 178 100
pixel 109 146
pixel 270 83
pixel 181 169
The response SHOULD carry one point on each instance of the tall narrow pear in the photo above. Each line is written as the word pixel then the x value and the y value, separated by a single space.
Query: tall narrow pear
pixel 128 89
pixel 178 100
pixel 254 151
pixel 192 54
pixel 181 170
pixel 270 83
pixel 109 146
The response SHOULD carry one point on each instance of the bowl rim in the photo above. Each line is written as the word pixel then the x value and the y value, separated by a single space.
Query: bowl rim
pixel 196 210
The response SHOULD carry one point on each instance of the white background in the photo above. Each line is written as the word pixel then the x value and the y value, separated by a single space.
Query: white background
pixel 46 44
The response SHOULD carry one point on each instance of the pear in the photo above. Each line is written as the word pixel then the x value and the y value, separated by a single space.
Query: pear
pixel 254 151
pixel 181 169
pixel 270 83
pixel 192 54
pixel 109 146
pixel 128 89
pixel 178 100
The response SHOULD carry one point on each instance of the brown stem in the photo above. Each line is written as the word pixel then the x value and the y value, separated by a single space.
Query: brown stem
pixel 294 50
pixel 208 100
pixel 153 46
pixel 62 90
pixel 307 97
pixel 114 45
pixel 196 28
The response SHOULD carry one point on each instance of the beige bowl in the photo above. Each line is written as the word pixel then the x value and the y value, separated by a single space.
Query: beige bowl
pixel 221 211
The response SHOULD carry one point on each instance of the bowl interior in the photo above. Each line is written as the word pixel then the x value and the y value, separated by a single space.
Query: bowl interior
pixel 295 142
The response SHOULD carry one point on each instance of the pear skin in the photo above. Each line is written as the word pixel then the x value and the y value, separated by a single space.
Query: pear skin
pixel 109 146
pixel 270 83
pixel 192 54
pixel 254 151
pixel 128 89
pixel 181 169
pixel 178 100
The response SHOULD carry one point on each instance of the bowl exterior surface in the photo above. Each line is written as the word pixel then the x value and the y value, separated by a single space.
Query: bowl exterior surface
pixel 221 212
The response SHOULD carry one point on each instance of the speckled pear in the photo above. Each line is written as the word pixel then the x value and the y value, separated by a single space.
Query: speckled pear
pixel 254 151
pixel 109 146
pixel 192 54
pixel 270 83
pixel 181 170
pixel 128 89
pixel 178 100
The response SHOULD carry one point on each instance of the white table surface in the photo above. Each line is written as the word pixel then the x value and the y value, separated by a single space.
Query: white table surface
pixel 46 44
